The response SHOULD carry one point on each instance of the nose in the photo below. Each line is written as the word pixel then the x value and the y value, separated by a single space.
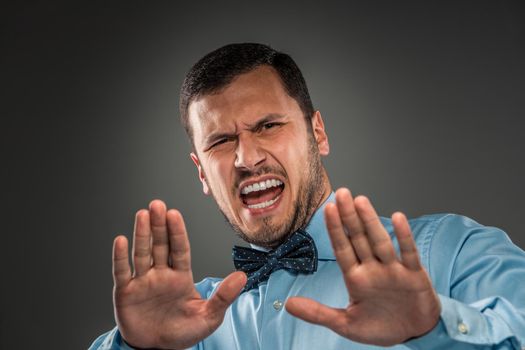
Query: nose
pixel 248 154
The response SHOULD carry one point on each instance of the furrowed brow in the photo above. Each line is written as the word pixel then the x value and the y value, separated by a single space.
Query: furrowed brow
pixel 266 119
pixel 212 138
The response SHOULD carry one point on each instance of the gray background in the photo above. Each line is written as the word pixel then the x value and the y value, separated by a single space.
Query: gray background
pixel 423 103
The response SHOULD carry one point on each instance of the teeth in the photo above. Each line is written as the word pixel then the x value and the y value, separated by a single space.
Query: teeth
pixel 260 186
pixel 263 205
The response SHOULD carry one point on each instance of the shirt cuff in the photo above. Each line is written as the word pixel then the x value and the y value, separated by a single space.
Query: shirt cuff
pixel 460 327
pixel 121 343
pixel 111 341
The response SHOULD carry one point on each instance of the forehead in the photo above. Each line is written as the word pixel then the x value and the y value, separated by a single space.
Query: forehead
pixel 248 97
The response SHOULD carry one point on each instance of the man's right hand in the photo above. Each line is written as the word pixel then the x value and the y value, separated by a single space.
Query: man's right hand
pixel 158 306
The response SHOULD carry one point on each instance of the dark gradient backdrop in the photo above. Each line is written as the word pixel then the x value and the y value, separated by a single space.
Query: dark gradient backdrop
pixel 423 102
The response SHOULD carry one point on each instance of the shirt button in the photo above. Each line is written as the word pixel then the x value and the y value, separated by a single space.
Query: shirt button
pixel 462 328
pixel 277 305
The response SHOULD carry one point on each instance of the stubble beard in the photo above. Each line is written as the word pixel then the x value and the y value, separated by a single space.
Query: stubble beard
pixel 310 194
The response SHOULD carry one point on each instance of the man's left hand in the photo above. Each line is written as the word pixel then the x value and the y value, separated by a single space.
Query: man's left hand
pixel 391 297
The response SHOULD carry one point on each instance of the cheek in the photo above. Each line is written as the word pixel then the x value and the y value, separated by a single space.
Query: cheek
pixel 289 151
pixel 220 172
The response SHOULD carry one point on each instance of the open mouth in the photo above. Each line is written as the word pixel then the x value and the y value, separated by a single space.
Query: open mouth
pixel 262 194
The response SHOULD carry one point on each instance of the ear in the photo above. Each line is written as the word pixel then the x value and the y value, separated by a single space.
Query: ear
pixel 320 134
pixel 202 178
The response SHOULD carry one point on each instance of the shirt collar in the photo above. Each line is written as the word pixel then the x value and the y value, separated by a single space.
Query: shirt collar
pixel 317 229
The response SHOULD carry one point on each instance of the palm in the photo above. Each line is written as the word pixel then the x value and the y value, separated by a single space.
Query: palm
pixel 159 306
pixel 149 304
pixel 378 298
pixel 391 299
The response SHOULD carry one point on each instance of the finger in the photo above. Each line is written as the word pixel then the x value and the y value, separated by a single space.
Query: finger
pixel 159 230
pixel 407 245
pixel 121 268
pixel 343 250
pixel 142 243
pixel 179 244
pixel 353 225
pixel 379 239
pixel 314 312
pixel 228 290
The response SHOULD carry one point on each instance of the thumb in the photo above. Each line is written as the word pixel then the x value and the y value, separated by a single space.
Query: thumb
pixel 314 312
pixel 227 292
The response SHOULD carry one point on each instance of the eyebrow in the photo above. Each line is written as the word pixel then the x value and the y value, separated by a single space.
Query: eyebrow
pixel 213 137
pixel 267 118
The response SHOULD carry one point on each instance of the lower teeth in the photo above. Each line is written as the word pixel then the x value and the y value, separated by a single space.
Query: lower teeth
pixel 263 205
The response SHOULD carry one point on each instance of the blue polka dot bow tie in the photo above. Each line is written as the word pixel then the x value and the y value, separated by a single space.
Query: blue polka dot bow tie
pixel 297 254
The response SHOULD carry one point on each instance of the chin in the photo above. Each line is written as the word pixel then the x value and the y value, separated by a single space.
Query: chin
pixel 268 234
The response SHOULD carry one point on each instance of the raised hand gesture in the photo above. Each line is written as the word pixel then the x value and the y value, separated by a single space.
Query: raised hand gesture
pixel 391 298
pixel 158 306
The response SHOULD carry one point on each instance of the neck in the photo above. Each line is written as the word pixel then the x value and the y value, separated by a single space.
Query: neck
pixel 327 190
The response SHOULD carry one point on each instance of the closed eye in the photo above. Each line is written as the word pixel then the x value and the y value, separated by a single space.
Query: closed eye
pixel 271 125
pixel 221 141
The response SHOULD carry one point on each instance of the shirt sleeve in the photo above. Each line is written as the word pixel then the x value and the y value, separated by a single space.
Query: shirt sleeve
pixel 480 277
pixel 113 340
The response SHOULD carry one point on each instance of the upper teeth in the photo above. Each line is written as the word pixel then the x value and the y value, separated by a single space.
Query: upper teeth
pixel 260 186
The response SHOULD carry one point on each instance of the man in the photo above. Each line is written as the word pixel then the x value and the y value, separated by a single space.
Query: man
pixel 358 280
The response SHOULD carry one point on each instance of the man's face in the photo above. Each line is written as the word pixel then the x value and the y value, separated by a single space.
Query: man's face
pixel 256 156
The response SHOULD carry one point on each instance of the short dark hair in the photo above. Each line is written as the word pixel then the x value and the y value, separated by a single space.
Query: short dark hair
pixel 218 68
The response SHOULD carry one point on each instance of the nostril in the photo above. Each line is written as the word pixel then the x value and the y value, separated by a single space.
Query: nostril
pixel 249 158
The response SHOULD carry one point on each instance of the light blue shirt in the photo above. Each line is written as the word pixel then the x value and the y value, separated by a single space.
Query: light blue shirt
pixel 478 273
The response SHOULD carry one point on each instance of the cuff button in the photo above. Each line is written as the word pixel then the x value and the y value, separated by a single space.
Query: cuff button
pixel 462 328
